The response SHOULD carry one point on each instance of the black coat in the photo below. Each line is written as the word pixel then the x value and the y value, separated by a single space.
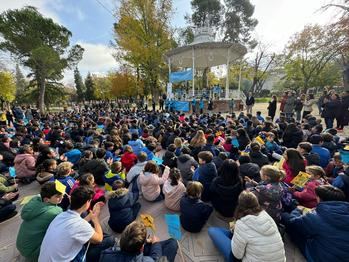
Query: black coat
pixel 224 198
pixel 250 170
pixel 292 139
pixel 243 142
pixel 98 168
pixel 259 158
pixel 8 155
pixel 123 210
pixel 207 173
pixel 331 109
pixel 272 108
pixel 194 214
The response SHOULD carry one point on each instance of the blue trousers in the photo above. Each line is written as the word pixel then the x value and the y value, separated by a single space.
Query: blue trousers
pixel 222 238
pixel 169 249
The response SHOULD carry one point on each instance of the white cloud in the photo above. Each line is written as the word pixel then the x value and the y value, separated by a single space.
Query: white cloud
pixel 97 59
pixel 280 19
pixel 80 15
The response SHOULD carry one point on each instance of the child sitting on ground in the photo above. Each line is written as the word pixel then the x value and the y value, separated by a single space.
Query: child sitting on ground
pixel 123 205
pixel 173 190
pixel 7 186
pixel 115 173
pixel 269 191
pixel 272 146
pixel 194 212
pixel 135 246
pixel 307 196
pixel 46 171
pixel 150 181
pixel 89 181
pixel 64 170
pixel 128 159
pixel 335 167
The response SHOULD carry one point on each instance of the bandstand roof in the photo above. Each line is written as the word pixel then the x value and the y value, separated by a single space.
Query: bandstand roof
pixel 206 54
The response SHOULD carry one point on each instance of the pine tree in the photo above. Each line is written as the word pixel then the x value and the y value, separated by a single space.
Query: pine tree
pixel 90 92
pixel 20 84
pixel 79 85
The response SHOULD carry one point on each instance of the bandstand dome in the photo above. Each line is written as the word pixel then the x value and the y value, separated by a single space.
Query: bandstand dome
pixel 205 52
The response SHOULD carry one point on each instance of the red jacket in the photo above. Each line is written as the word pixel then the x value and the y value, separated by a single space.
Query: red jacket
pixel 307 197
pixel 128 160
pixel 289 176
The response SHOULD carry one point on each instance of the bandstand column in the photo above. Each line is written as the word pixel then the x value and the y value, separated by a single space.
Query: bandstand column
pixel 193 58
pixel 227 78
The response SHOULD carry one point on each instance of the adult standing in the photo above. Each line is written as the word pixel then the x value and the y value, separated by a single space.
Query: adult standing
pixel 321 101
pixel 210 105
pixel 201 105
pixel 344 110
pixel 308 105
pixel 283 102
pixel 231 105
pixel 193 105
pixel 161 103
pixel 331 109
pixel 298 108
pixel 289 105
pixel 272 107
pixel 249 103
pixel 153 104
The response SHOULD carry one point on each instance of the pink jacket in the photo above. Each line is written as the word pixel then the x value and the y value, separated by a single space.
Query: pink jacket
pixel 25 165
pixel 307 197
pixel 99 192
pixel 173 195
pixel 288 178
pixel 150 184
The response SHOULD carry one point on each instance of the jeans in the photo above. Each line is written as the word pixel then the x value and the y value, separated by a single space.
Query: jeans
pixel 221 238
pixel 7 211
pixel 169 249
pixel 329 122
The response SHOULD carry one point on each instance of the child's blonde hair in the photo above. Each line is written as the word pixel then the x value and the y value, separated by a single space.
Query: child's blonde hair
pixel 64 169
pixel 194 189
pixel 273 173
pixel 116 167
pixel 315 171
pixel 178 142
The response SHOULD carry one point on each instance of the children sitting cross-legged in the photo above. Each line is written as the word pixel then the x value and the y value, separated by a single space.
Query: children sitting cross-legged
pixel 194 212
pixel 115 173
pixel 123 205
pixel 307 196
pixel 269 191
pixel 150 181
pixel 135 246
pixel 173 190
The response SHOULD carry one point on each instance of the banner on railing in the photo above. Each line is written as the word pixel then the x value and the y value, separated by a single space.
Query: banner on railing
pixel 176 77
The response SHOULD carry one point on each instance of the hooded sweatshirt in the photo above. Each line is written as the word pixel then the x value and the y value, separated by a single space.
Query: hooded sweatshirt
pixel 37 216
pixel 173 195
pixel 25 165
pixel 184 164
pixel 257 238
pixel 326 231
pixel 150 184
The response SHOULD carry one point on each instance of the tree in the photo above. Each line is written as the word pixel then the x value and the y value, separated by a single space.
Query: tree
pixel 143 35
pixel 102 87
pixel 21 84
pixel 206 13
pixel 308 53
pixel 261 66
pixel 90 88
pixel 7 87
pixel 79 85
pixel 238 22
pixel 40 44
pixel 124 84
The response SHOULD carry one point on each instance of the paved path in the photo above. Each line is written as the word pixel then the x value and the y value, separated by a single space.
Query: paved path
pixel 195 247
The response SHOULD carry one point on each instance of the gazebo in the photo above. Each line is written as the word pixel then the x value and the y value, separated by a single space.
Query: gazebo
pixel 205 52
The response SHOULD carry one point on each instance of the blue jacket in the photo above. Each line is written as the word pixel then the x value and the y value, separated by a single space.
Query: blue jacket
pixel 123 208
pixel 149 153
pixel 326 230
pixel 194 214
pixel 323 153
pixel 73 156
pixel 207 173
pixel 111 255
pixel 137 146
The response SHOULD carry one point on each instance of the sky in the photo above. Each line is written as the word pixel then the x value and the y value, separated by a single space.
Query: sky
pixel 91 23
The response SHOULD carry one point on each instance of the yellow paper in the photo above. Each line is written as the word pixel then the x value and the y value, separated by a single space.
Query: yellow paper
pixel 26 199
pixel 148 221
pixel 60 187
pixel 301 179
pixel 260 140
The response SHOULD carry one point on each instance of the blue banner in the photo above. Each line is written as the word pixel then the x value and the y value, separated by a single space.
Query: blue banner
pixel 176 77
pixel 173 226
pixel 181 106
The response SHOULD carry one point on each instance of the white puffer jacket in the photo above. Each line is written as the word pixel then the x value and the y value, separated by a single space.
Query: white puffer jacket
pixel 256 238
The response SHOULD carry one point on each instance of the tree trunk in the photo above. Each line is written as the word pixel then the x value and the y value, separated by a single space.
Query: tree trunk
pixel 42 87
pixel 346 76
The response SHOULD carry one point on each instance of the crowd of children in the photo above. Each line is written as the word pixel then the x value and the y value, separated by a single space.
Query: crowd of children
pixel 242 167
